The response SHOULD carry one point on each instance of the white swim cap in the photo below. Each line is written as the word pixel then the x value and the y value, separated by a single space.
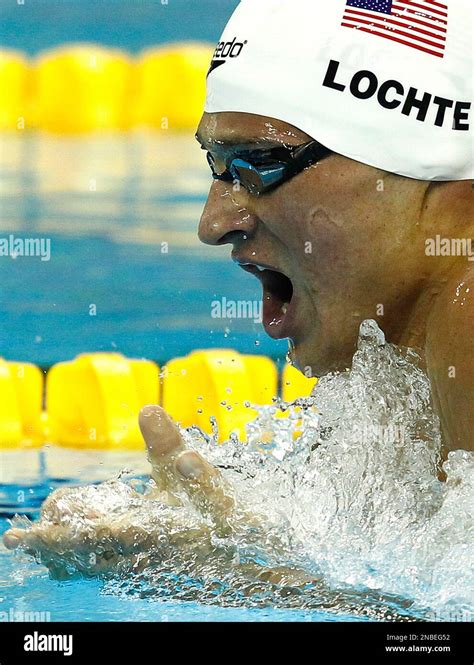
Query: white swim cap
pixel 385 82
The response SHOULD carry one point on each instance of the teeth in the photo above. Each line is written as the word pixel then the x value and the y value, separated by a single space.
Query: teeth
pixel 284 307
pixel 254 265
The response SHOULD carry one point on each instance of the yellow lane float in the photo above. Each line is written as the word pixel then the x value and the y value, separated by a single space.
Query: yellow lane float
pixel 82 88
pixel 21 401
pixel 79 88
pixel 171 86
pixel 218 383
pixel 294 384
pixel 94 400
pixel 14 90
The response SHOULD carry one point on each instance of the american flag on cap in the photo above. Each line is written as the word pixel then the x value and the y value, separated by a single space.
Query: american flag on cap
pixel 419 24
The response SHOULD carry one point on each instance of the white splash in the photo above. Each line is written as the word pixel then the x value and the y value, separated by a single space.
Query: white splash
pixel 354 501
pixel 357 495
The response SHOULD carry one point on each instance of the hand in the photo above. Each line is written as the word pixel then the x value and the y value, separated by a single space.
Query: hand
pixel 78 532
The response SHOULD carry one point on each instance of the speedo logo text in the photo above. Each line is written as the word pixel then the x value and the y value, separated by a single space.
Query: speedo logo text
pixel 224 51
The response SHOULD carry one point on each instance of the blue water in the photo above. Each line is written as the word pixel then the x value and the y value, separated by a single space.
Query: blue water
pixel 26 587
pixel 106 252
pixel 106 244
pixel 133 26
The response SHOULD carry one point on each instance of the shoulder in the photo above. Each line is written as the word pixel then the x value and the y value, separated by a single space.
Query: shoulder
pixel 450 358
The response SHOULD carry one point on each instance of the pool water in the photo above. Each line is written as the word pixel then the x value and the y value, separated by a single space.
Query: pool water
pixel 155 23
pixel 121 213
pixel 363 536
pixel 27 592
pixel 24 587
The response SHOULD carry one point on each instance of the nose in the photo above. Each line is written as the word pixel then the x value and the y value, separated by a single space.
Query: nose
pixel 226 217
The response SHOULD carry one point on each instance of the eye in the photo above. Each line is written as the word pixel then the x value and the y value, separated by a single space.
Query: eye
pixel 257 158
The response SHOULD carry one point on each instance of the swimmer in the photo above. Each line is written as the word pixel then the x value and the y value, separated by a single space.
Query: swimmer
pixel 342 164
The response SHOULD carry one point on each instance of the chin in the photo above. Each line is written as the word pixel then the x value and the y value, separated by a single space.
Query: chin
pixel 322 360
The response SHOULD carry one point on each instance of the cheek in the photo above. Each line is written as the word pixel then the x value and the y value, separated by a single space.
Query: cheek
pixel 324 261
pixel 326 233
pixel 312 233
pixel 312 216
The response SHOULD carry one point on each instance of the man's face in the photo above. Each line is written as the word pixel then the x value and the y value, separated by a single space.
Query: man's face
pixel 330 241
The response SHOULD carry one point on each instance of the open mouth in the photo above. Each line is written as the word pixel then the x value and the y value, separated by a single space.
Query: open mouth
pixel 277 299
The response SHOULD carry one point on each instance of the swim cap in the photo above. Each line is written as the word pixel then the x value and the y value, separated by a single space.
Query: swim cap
pixel 385 82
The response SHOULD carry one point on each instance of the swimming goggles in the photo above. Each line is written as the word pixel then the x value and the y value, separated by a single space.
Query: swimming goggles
pixel 259 171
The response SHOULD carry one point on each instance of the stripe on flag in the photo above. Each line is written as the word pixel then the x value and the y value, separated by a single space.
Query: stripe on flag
pixel 420 24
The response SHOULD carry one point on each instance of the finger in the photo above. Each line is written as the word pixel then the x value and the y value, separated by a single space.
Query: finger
pixel 175 467
pixel 206 488
pixel 164 443
pixel 64 555
pixel 131 538
pixel 31 541
pixel 62 504
pixel 53 507
pixel 13 538
pixel 162 436
pixel 40 539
